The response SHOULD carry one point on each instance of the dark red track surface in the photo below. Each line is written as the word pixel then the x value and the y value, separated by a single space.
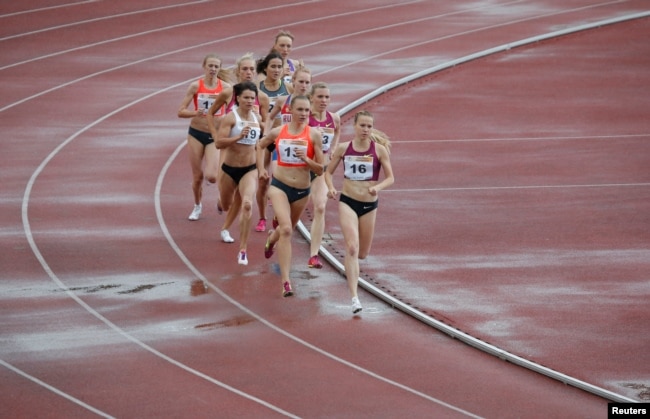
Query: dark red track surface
pixel 519 215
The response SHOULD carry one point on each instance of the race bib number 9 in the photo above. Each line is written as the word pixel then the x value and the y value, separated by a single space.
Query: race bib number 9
pixel 253 134
pixel 287 151
pixel 358 167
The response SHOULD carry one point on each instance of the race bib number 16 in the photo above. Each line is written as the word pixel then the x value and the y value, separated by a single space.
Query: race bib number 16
pixel 358 167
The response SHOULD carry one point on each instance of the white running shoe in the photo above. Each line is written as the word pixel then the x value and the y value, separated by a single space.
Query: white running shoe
pixel 241 258
pixel 196 213
pixel 225 237
pixel 356 305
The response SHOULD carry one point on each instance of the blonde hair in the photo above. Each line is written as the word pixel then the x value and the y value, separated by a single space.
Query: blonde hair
pixel 317 85
pixel 222 74
pixel 235 71
pixel 282 33
pixel 300 69
pixel 376 135
pixel 380 137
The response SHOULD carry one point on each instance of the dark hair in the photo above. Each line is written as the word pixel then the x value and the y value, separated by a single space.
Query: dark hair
pixel 264 62
pixel 239 88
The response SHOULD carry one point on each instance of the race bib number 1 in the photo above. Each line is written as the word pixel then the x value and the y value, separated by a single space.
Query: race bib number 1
pixel 287 151
pixel 205 101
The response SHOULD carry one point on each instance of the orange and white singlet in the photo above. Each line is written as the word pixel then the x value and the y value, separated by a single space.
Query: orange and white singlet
pixel 204 98
pixel 286 145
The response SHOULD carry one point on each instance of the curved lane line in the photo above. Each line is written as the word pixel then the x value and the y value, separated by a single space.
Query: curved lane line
pixel 53 276
pixel 451 331
pixel 99 19
pixel 267 323
pixel 42 9
pixel 55 390
pixel 197 273
pixel 88 308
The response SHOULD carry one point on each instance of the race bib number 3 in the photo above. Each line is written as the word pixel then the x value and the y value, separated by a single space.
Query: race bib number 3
pixel 358 167
pixel 287 151
pixel 328 137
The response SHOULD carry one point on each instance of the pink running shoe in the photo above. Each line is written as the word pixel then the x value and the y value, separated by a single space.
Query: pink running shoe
pixel 268 247
pixel 314 262
pixel 286 289
pixel 261 225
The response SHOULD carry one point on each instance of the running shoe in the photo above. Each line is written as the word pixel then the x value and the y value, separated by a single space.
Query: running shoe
pixel 196 213
pixel 225 237
pixel 356 305
pixel 261 225
pixel 314 262
pixel 241 258
pixel 286 289
pixel 268 247
pixel 275 222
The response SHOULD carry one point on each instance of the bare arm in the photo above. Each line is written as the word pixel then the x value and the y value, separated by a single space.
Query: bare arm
pixel 222 99
pixel 337 154
pixel 264 142
pixel 222 139
pixel 183 112
pixel 389 178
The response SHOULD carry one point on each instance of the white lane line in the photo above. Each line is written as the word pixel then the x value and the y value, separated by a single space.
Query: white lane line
pixel 536 139
pixel 263 320
pixel 166 28
pixel 99 19
pixel 55 390
pixel 455 333
pixel 46 267
pixel 522 187
pixel 42 9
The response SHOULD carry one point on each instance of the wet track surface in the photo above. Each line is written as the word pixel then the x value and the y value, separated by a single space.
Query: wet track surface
pixel 113 304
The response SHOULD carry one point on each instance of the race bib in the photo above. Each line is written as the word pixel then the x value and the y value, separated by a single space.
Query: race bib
pixel 205 101
pixel 358 167
pixel 328 137
pixel 253 134
pixel 287 151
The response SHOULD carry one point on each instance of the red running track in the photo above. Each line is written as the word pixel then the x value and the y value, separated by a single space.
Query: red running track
pixel 101 315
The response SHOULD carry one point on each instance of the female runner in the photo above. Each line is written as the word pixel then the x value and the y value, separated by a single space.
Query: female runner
pixel 299 153
pixel 330 125
pixel 239 132
pixel 275 88
pixel 200 143
pixel 363 157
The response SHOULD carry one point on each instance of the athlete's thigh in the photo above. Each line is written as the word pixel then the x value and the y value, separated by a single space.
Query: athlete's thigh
pixel 227 188
pixel 297 207
pixel 366 232
pixel 195 151
pixel 248 185
pixel 349 223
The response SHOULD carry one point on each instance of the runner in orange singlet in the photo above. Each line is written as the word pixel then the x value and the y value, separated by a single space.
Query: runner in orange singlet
pixel 300 152
pixel 200 143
